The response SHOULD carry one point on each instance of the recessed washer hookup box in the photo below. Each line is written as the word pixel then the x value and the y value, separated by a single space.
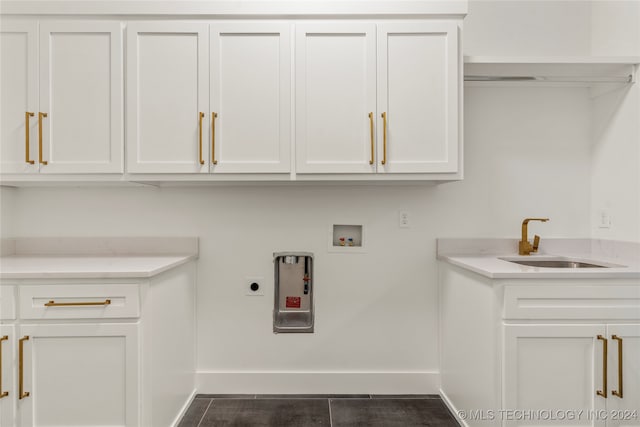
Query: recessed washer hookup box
pixel 293 293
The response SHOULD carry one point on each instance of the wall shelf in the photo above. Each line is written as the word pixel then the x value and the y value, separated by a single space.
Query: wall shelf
pixel 581 70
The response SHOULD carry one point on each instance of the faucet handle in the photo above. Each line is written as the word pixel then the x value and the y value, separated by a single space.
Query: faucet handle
pixel 536 243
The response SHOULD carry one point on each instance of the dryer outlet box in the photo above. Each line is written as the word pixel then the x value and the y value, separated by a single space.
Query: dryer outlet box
pixel 254 286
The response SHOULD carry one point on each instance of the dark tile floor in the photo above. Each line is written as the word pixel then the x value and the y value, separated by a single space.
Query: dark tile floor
pixel 217 410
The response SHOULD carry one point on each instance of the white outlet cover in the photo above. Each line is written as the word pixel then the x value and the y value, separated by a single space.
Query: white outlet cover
pixel 605 219
pixel 247 283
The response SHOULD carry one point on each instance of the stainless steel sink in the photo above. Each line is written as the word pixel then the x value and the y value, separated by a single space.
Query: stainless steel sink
pixel 557 263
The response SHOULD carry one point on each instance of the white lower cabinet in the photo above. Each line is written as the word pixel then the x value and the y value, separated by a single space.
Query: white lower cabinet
pixel 78 375
pixel 591 369
pixel 545 352
pixel 7 375
pixel 623 404
pixel 94 352
pixel 553 367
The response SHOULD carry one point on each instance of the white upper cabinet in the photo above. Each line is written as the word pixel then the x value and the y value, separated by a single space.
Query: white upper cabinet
pixel 167 97
pixel 230 97
pixel 74 116
pixel 388 105
pixel 204 98
pixel 18 97
pixel 418 84
pixel 250 97
pixel 335 95
pixel 81 95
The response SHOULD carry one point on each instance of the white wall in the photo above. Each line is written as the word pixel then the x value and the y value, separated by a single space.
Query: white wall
pixel 531 151
pixel 7 209
pixel 615 170
pixel 376 312
pixel 615 28
pixel 615 174
pixel 580 28
pixel 527 28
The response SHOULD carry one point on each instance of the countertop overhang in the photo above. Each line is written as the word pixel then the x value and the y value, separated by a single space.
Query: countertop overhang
pixel 93 258
pixel 87 267
pixel 482 256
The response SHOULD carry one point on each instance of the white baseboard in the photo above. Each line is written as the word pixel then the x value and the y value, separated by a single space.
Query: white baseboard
pixel 453 409
pixel 224 382
pixel 184 408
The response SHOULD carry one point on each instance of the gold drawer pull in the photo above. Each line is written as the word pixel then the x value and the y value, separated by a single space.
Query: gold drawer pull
pixel 213 138
pixel 21 393
pixel 200 117
pixel 619 391
pixel 52 303
pixel 603 392
pixel 371 134
pixel 2 393
pixel 40 160
pixel 384 138
pixel 26 138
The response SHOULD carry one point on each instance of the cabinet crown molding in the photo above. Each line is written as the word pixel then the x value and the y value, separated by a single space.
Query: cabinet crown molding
pixel 229 8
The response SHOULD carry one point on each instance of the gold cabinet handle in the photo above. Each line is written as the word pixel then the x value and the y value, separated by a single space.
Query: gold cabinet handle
pixel 2 393
pixel 200 117
pixel 384 138
pixel 213 138
pixel 21 393
pixel 52 303
pixel 40 116
pixel 619 391
pixel 26 137
pixel 603 392
pixel 371 132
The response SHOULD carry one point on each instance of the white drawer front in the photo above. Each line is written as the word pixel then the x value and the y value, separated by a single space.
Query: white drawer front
pixel 7 302
pixel 72 301
pixel 572 302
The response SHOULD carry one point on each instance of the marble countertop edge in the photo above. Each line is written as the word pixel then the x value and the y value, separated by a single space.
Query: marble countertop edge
pixel 483 256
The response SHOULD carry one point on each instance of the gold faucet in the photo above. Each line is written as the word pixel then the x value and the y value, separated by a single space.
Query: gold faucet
pixel 524 247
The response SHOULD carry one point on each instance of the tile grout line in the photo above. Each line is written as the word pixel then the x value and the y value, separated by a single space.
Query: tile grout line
pixel 205 413
pixel 330 416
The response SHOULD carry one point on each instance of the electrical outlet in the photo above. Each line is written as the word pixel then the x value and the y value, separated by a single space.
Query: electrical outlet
pixel 254 286
pixel 404 219
pixel 605 219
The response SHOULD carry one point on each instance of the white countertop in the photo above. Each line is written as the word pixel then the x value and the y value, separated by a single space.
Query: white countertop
pixel 482 256
pixel 87 267
pixel 93 257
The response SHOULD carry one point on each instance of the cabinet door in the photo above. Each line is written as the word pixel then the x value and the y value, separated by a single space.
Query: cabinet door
pixel 18 95
pixel 553 368
pixel 335 93
pixel 625 410
pixel 418 83
pixel 167 92
pixel 251 95
pixel 7 378
pixel 80 375
pixel 81 93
